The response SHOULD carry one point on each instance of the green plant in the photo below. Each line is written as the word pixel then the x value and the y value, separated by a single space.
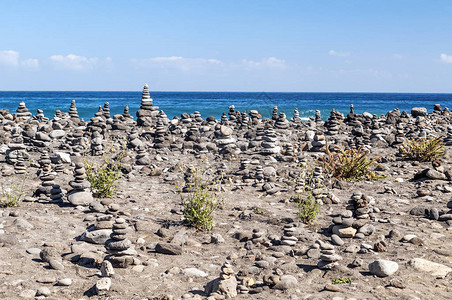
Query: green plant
pixel 342 280
pixel 12 194
pixel 258 211
pixel 202 198
pixel 308 206
pixel 423 149
pixel 104 176
pixel 349 165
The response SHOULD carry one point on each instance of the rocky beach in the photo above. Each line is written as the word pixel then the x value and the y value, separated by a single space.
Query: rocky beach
pixel 387 237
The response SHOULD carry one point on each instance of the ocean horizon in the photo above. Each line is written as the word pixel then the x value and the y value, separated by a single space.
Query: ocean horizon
pixel 215 103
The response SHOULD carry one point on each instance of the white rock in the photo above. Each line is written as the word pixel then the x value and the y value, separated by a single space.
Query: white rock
pixel 435 269
pixel 193 272
pixel 103 285
pixel 64 282
pixel 383 268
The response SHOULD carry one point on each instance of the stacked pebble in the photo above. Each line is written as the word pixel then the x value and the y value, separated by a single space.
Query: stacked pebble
pixel 270 142
pixel 80 194
pixel 147 111
pixel 22 112
pixel 328 257
pixel 282 122
pixel 73 114
pixel 119 246
pixel 296 116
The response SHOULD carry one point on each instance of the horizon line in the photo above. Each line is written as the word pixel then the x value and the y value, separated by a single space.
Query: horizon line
pixel 279 92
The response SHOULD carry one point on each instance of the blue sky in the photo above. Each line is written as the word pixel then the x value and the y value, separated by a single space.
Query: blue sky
pixel 299 46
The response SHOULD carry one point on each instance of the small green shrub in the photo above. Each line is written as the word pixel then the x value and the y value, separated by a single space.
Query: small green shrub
pixel 201 200
pixel 12 194
pixel 308 206
pixel 349 165
pixel 423 149
pixel 104 177
pixel 342 280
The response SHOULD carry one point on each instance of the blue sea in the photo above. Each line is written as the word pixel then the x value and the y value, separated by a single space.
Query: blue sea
pixel 214 103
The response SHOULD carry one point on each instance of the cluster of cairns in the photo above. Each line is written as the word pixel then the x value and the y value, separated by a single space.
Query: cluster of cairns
pixel 247 149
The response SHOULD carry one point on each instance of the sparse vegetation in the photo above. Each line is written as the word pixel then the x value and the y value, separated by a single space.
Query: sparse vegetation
pixel 349 165
pixel 342 280
pixel 12 194
pixel 201 199
pixel 308 206
pixel 423 149
pixel 104 176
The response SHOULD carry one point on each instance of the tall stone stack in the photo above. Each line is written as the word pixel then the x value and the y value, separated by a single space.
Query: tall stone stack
pixel 97 143
pixel 147 112
pixel 270 142
pixel 106 110
pixel 119 247
pixel 333 123
pixel 73 114
pixel 275 113
pixel 231 113
pixel 22 112
pixel 161 131
pixel 16 149
pixel 245 121
pixel 296 116
pixel 318 117
pixel 47 177
pixel 20 167
pixel 80 193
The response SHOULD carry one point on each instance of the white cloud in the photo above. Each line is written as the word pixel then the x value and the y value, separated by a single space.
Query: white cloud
pixel 270 62
pixel 74 62
pixel 446 58
pixel 31 63
pixel 176 62
pixel 397 56
pixel 9 58
pixel 339 54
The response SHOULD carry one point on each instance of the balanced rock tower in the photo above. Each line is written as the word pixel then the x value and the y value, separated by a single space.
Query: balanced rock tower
pixel 147 111
pixel 80 195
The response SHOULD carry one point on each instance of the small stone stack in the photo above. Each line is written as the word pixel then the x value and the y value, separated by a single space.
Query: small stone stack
pixel 192 133
pixel 225 141
pixel 244 170
pixel 142 158
pixel 296 116
pixel 134 139
pixel 270 142
pixel 22 112
pixel 197 117
pixel 40 116
pixel 282 122
pixel 147 111
pixel 16 149
pixel 255 116
pixel 448 137
pixel 224 287
pixel 19 166
pixel 119 246
pixel 127 116
pixel 319 142
pixel 80 194
pixel 231 113
pixel 224 119
pixel 328 257
pixel 73 114
pixel 289 236
pixel 259 174
pixel 275 113
pixel 245 121
pixel 400 135
pixel 56 194
pixel 318 117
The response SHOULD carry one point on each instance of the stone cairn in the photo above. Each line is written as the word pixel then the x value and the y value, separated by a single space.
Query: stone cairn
pixel 296 116
pixel 40 116
pixel 225 286
pixel 80 194
pixel 289 236
pixel 119 247
pixel 142 158
pixel 147 111
pixel 334 122
pixel 225 141
pixel 73 114
pixel 56 194
pixel 46 175
pixel 126 115
pixel 160 134
pixel 22 112
pixel 270 142
pixel 328 257
pixel 255 117
pixel 319 142
pixel 16 148
pixel 231 113
pixel 275 113
pixel 282 122
pixel 106 111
